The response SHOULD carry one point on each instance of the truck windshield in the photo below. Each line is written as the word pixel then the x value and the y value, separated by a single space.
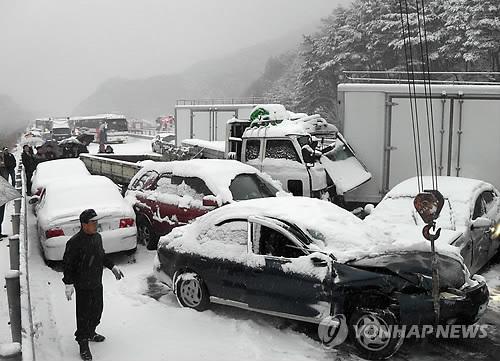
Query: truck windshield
pixel 61 131
pixel 251 186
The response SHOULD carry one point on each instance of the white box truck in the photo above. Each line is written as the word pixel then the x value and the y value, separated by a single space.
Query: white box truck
pixel 376 119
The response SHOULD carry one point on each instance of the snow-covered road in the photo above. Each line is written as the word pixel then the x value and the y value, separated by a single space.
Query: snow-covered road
pixel 142 320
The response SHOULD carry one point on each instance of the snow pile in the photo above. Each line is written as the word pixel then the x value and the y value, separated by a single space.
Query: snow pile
pixel 331 229
pixel 214 145
pixel 273 120
pixel 216 173
pixel 8 350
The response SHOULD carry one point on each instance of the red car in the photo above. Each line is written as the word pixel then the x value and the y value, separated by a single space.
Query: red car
pixel 165 195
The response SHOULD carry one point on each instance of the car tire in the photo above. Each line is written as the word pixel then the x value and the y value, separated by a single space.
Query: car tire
pixel 146 234
pixel 191 291
pixel 370 331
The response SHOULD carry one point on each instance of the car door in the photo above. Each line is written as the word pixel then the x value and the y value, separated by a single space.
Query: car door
pixel 164 204
pixel 285 280
pixel 282 162
pixel 480 235
pixel 225 270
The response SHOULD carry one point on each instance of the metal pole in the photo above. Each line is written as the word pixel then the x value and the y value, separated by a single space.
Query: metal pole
pixel 14 252
pixel 13 295
pixel 459 131
pixel 18 183
pixel 16 219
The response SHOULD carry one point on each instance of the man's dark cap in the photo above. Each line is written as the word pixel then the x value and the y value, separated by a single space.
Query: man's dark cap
pixel 88 215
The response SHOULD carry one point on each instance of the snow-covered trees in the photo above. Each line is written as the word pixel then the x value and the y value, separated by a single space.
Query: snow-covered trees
pixel 462 35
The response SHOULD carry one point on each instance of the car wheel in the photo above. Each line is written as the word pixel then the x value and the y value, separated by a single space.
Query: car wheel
pixel 374 335
pixel 191 291
pixel 146 235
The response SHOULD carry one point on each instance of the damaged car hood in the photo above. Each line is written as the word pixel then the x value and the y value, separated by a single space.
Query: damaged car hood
pixel 416 267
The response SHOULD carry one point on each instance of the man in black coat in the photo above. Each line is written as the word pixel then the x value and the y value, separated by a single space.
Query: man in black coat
pixel 83 261
pixel 29 163
pixel 10 164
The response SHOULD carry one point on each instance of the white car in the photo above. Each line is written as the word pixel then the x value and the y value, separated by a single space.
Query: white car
pixel 160 140
pixel 52 170
pixel 60 207
pixel 471 208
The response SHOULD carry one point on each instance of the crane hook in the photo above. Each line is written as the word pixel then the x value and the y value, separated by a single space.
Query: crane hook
pixel 426 231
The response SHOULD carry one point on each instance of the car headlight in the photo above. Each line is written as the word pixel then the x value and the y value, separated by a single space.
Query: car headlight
pixel 452 295
pixel 495 231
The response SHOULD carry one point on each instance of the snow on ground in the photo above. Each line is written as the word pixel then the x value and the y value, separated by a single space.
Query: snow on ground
pixel 142 320
pixel 133 145
pixel 138 326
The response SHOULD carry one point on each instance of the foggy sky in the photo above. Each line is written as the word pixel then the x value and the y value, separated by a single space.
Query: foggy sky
pixel 54 53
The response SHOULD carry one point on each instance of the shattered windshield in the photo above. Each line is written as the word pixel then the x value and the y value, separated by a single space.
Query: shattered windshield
pixel 337 150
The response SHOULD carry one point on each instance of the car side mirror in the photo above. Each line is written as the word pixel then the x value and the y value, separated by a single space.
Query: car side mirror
pixel 481 222
pixel 368 209
pixel 209 201
pixel 319 262
pixel 34 200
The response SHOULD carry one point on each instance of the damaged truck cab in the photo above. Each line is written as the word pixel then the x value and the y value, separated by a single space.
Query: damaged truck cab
pixel 305 153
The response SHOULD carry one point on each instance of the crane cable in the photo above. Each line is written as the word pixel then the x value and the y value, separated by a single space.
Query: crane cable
pixel 415 132
pixel 428 203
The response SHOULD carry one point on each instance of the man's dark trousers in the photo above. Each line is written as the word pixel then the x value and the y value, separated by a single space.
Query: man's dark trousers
pixel 88 312
pixel 12 174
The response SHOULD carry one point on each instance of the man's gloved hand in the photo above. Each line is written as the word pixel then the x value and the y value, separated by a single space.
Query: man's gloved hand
pixel 70 289
pixel 117 272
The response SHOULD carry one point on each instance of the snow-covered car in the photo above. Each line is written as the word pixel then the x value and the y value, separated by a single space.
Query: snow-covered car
pixel 303 259
pixel 160 140
pixel 471 209
pixel 71 170
pixel 61 204
pixel 170 194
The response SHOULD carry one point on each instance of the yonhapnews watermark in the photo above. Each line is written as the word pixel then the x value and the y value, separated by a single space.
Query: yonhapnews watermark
pixel 333 331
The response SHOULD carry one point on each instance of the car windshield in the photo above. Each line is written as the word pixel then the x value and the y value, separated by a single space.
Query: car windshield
pixel 400 210
pixel 251 186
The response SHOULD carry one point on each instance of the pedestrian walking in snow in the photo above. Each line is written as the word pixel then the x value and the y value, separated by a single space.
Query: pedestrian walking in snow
pixel 83 262
pixel 29 163
pixel 10 164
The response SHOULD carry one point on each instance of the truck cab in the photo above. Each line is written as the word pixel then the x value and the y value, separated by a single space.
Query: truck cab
pixel 305 153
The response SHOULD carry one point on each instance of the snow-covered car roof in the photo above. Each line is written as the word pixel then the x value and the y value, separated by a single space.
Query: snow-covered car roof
pixel 67 199
pixel 48 171
pixel 456 189
pixel 331 228
pixel 459 193
pixel 216 173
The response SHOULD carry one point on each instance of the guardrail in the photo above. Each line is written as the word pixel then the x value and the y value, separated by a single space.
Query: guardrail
pixel 147 133
pixel 119 171
pixel 17 283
